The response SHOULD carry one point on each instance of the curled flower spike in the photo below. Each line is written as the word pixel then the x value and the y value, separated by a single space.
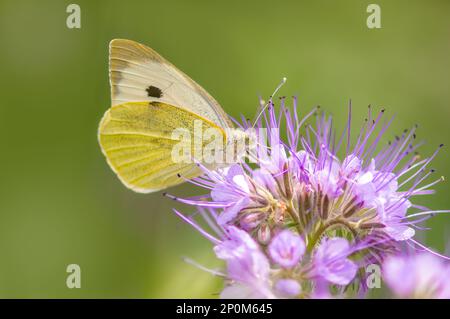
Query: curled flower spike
pixel 302 217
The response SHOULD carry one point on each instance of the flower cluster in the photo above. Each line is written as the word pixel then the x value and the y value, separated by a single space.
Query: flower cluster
pixel 315 208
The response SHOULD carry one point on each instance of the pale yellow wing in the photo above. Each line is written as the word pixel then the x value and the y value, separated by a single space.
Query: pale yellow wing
pixel 137 140
pixel 138 73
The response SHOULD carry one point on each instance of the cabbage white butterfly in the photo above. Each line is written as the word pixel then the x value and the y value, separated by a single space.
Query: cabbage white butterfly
pixel 150 99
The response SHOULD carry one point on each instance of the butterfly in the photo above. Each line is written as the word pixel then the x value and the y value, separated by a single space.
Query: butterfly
pixel 150 99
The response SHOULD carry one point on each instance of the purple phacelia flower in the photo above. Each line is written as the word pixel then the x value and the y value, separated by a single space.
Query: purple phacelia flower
pixel 287 287
pixel 331 261
pixel 421 275
pixel 247 267
pixel 303 215
pixel 234 192
pixel 287 248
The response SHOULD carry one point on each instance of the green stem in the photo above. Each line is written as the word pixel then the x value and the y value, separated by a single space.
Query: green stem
pixel 323 228
pixel 295 217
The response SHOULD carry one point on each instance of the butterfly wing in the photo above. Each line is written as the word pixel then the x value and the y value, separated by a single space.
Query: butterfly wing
pixel 138 73
pixel 137 140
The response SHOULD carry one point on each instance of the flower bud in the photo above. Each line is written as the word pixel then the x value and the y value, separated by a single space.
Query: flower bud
pixel 264 234
pixel 250 221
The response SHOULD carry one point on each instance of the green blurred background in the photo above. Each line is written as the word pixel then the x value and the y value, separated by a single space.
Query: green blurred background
pixel 61 204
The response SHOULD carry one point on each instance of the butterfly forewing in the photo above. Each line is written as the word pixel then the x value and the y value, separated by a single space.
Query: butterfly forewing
pixel 138 73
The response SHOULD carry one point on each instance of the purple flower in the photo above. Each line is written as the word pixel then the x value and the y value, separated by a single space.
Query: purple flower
pixel 287 287
pixel 390 204
pixel 371 192
pixel 417 276
pixel 326 182
pixel 233 192
pixel 289 223
pixel 287 248
pixel 247 266
pixel 351 166
pixel 321 289
pixel 331 262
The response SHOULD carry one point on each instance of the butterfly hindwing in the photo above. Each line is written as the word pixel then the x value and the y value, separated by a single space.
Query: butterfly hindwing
pixel 137 140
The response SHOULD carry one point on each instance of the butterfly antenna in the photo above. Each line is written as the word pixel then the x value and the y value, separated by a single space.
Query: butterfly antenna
pixel 283 81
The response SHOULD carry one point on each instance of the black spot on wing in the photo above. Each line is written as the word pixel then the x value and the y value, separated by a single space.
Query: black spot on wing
pixel 153 91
